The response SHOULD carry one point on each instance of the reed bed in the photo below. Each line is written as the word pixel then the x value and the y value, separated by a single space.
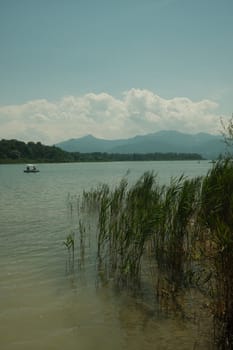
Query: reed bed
pixel 216 215
pixel 183 229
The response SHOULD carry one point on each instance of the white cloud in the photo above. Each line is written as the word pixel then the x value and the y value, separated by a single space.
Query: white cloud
pixel 103 115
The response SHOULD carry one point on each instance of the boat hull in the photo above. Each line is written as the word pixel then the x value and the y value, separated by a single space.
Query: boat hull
pixel 31 171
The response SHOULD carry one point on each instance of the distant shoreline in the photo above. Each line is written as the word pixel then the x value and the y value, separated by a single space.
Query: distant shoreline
pixel 36 161
pixel 19 152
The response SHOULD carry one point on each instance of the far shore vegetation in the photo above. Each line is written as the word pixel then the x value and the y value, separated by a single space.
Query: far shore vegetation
pixel 14 151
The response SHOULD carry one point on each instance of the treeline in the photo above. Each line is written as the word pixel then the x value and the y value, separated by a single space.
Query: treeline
pixel 14 151
pixel 117 157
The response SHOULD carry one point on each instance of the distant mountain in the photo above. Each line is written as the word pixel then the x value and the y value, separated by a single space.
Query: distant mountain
pixel 88 144
pixel 209 146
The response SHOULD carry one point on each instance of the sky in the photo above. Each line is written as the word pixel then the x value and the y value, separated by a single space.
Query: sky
pixel 114 68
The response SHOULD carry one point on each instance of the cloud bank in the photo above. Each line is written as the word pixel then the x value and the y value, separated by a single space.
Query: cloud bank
pixel 102 115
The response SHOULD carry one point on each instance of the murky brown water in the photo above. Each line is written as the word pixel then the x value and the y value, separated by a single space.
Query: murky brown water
pixel 44 303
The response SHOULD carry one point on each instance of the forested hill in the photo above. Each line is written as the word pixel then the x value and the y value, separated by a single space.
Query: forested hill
pixel 19 151
pixel 14 151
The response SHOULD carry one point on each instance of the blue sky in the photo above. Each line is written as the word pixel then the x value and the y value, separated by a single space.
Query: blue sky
pixel 114 68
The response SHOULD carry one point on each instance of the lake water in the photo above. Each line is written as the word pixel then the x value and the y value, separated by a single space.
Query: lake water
pixel 45 306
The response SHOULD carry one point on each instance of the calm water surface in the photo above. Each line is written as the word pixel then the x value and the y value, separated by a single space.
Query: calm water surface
pixel 45 306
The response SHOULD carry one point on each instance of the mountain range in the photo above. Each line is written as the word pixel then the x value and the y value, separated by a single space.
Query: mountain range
pixel 208 145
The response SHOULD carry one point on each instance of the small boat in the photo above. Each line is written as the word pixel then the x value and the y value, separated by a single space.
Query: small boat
pixel 31 168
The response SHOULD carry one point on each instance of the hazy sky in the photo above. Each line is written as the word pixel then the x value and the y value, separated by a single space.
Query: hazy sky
pixel 114 68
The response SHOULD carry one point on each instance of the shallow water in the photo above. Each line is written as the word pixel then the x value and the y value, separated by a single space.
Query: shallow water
pixel 44 302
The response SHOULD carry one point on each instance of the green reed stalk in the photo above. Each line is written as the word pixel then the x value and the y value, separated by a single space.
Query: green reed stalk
pixel 173 236
pixel 217 217
pixel 69 243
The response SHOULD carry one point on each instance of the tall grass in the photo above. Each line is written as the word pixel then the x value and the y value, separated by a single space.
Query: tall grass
pixel 186 229
pixel 174 234
pixel 145 215
pixel 217 218
pixel 125 223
